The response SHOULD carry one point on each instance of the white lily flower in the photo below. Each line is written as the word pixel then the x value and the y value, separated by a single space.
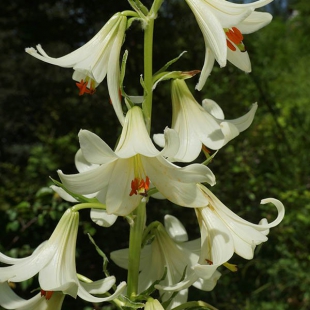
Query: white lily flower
pixel 170 248
pixel 220 22
pixel 245 236
pixel 224 233
pixel 54 261
pixel 198 125
pixel 122 178
pixel 10 300
pixel 95 60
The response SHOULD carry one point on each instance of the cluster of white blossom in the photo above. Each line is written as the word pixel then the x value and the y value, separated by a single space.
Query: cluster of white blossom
pixel 114 182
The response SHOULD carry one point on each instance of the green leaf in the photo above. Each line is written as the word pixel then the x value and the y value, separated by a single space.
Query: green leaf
pixel 79 198
pixel 168 64
pixel 129 303
pixel 101 253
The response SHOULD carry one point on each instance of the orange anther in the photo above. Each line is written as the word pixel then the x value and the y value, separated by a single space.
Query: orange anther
pixel 209 261
pixel 47 294
pixel 84 89
pixel 139 186
pixel 230 45
pixel 234 35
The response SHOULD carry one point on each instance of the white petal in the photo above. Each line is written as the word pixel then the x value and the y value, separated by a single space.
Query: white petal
pixel 206 69
pixel 153 304
pixel 10 300
pixel 241 123
pixel 207 285
pixel 159 139
pixel 187 282
pixel 180 298
pixel 62 193
pixel 120 257
pixel 135 138
pixel 81 163
pixel 84 294
pixel 102 218
pixel 213 108
pixel 172 143
pixel 167 180
pixel 175 229
pixel 220 207
pixel 217 244
pixel 254 22
pixel 211 29
pixel 239 59
pixel 94 149
pixel 81 53
pixel 229 14
pixel 11 261
pixel 27 267
pixel 100 286
pixel 113 75
pixel 87 182
pixel 60 272
pixel 118 199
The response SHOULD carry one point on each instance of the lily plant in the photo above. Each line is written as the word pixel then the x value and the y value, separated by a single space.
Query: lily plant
pixel 162 262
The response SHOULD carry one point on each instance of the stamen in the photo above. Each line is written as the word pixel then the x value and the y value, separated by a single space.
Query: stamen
pixel 209 261
pixel 205 149
pixel 235 36
pixel 47 294
pixel 230 45
pixel 140 187
pixel 84 89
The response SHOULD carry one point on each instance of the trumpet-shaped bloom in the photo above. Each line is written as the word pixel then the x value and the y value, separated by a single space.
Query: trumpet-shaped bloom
pixel 222 24
pixel 54 261
pixel 95 60
pixel 10 300
pixel 241 235
pixel 169 249
pixel 121 178
pixel 224 233
pixel 197 125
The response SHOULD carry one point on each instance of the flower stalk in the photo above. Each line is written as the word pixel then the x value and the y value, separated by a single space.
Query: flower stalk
pixel 148 72
pixel 135 241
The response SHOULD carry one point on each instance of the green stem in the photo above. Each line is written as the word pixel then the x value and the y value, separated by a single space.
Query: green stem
pixel 135 242
pixel 148 72
pixel 89 205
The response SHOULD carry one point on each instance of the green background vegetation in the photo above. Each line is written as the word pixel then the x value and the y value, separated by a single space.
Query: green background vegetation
pixel 41 114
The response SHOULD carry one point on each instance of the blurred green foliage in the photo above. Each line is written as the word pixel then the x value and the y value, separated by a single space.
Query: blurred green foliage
pixel 41 114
